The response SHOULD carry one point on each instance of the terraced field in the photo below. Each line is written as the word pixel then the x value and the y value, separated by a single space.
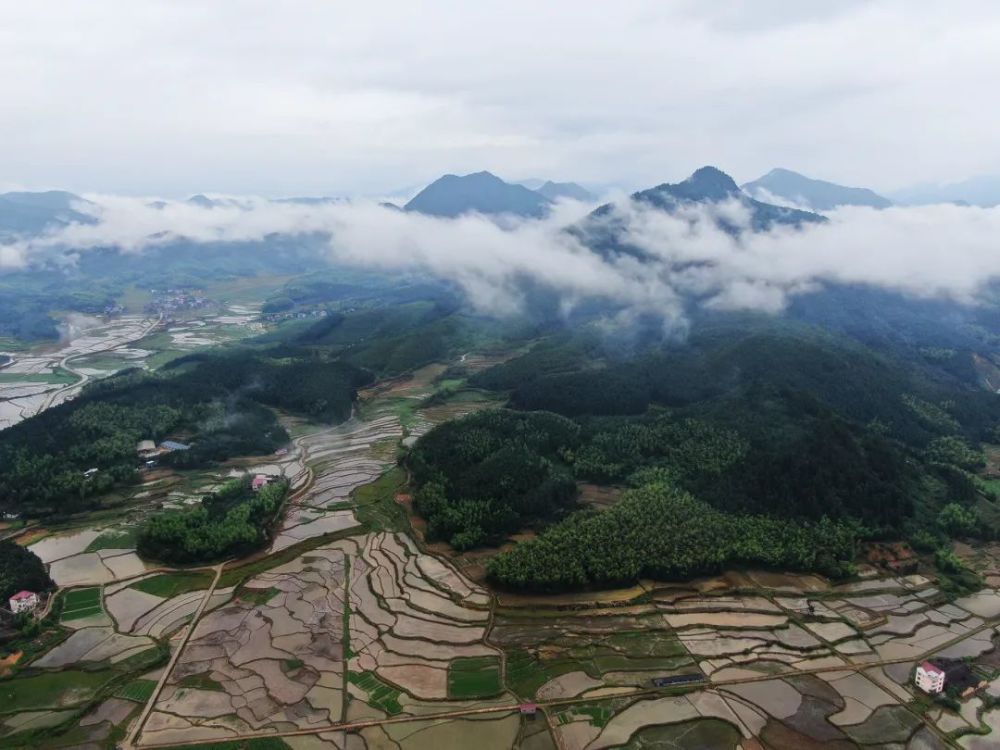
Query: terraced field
pixel 349 632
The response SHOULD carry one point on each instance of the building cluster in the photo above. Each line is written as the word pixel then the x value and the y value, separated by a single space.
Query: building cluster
pixel 149 452
pixel 260 481
pixel 169 301
pixel 277 317
pixel 934 676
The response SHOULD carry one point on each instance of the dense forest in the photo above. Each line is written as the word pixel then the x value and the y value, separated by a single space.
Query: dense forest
pixel 219 403
pixel 791 432
pixel 20 569
pixel 233 521
pixel 485 476
pixel 661 532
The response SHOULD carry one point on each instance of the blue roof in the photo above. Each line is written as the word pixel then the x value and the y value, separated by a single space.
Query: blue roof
pixel 174 446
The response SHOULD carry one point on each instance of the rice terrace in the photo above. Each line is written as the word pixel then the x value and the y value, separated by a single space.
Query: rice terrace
pixel 351 631
pixel 485 376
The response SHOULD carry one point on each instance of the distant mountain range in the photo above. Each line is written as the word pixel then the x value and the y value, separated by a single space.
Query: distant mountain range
pixel 817 195
pixel 976 191
pixel 556 190
pixel 31 213
pixel 605 229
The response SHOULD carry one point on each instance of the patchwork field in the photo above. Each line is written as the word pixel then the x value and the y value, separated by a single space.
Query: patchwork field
pixel 350 632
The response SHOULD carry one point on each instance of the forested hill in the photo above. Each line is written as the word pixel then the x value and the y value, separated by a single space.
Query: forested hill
pixel 221 404
pixel 795 432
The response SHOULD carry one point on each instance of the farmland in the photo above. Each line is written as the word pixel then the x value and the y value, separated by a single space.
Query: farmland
pixel 351 631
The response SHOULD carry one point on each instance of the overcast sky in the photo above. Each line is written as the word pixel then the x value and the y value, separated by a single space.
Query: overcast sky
pixel 173 97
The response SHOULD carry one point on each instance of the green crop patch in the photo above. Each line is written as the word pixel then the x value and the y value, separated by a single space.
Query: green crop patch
pixel 81 603
pixel 201 681
pixel 169 585
pixel 123 538
pixel 52 689
pixel 474 677
pixel 139 690
pixel 257 596
pixel 381 696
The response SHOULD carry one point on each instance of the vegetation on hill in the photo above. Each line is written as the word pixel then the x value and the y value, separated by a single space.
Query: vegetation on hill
pixel 20 569
pixel 233 521
pixel 216 402
pixel 491 473
pixel 658 531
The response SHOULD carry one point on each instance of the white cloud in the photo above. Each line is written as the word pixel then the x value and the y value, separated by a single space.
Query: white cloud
pixel 943 251
pixel 182 96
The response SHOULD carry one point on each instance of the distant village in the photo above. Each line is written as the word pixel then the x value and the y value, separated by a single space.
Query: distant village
pixel 277 317
pixel 168 302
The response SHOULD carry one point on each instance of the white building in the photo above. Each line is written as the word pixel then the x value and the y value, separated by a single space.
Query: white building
pixel 23 601
pixel 929 678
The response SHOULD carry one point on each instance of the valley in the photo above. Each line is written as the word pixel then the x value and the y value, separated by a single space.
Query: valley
pixel 349 632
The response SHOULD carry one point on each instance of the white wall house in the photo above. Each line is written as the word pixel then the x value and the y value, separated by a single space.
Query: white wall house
pixel 23 601
pixel 929 678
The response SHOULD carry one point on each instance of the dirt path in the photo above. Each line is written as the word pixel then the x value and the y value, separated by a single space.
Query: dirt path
pixel 64 363
pixel 565 702
pixel 133 735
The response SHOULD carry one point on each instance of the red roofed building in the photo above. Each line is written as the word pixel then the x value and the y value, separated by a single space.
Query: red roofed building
pixel 23 601
pixel 929 678
pixel 258 481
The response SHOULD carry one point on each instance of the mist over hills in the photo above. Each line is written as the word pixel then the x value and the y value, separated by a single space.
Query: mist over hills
pixel 981 191
pixel 31 212
pixel 556 190
pixel 819 195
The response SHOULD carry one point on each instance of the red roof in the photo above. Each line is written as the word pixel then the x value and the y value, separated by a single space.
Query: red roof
pixel 931 668
pixel 23 595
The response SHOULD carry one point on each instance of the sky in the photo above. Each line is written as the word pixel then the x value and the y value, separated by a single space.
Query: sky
pixel 174 97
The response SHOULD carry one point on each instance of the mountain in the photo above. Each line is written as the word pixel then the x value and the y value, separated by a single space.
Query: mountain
pixel 202 201
pixel 605 230
pixel 481 192
pixel 976 191
pixel 29 213
pixel 556 190
pixel 818 195
pixel 709 186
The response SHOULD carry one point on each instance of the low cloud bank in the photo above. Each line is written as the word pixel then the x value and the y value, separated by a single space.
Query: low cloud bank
pixel 943 251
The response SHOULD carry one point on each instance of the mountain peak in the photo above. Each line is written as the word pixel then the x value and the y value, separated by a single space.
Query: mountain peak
pixel 479 192
pixel 712 183
pixel 816 194
pixel 555 190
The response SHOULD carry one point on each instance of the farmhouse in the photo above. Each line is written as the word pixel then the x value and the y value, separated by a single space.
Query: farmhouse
pixel 955 675
pixel 23 601
pixel 146 448
pixel 929 678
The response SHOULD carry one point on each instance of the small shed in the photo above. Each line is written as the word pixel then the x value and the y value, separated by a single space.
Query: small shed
pixel 173 445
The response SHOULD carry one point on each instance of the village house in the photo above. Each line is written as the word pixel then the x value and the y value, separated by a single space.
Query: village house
pixel 259 481
pixel 954 675
pixel 23 601
pixel 929 678
pixel 146 448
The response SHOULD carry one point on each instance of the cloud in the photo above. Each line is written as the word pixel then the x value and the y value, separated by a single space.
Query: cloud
pixel 942 251
pixel 299 97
